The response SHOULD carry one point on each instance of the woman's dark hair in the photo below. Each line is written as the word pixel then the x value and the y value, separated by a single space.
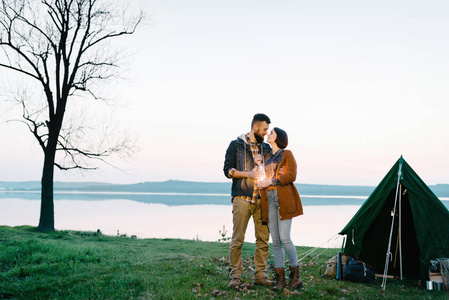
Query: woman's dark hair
pixel 281 138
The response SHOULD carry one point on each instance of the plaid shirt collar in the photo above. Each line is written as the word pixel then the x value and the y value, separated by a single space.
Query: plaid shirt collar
pixel 254 146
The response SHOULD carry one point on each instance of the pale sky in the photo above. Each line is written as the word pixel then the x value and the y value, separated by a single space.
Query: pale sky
pixel 356 84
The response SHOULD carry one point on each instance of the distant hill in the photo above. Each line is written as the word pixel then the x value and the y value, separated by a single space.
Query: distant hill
pixel 36 185
pixel 177 186
pixel 20 185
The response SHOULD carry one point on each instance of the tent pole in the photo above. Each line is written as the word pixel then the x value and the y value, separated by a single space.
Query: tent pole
pixel 399 240
pixel 400 229
pixel 396 251
pixel 387 259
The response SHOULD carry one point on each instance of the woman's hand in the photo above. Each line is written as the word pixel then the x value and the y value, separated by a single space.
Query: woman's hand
pixel 282 171
pixel 258 159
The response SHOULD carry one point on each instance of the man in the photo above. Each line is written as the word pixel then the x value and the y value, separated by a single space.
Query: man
pixel 239 166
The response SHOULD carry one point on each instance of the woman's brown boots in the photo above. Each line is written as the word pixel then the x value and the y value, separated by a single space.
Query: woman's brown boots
pixel 295 279
pixel 280 279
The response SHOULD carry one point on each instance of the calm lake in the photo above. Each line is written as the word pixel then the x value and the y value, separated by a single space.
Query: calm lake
pixel 165 215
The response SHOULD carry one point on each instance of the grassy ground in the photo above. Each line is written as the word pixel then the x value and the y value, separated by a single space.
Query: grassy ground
pixel 83 265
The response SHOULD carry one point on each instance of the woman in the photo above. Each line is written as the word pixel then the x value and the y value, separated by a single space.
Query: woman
pixel 280 202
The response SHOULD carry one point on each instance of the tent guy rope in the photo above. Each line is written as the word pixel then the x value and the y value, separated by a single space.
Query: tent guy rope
pixel 310 251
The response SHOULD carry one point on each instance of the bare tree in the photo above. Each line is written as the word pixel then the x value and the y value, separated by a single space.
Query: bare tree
pixel 61 46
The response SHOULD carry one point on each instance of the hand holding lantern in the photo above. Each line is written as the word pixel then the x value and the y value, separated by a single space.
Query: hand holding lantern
pixel 261 179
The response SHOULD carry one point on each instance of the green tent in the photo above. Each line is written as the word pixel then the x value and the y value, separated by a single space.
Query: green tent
pixel 422 218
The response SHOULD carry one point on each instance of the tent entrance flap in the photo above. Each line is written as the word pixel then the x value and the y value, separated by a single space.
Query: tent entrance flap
pixel 375 241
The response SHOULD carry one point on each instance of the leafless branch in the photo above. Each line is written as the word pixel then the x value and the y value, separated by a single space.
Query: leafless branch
pixel 57 43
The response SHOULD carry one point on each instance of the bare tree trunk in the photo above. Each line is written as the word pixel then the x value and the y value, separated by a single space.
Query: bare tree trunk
pixel 47 219
pixel 47 216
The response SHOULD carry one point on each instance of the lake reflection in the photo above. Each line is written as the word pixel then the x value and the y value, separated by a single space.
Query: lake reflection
pixel 155 220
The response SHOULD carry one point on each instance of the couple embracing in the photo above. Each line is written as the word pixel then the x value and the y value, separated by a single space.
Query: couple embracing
pixel 269 196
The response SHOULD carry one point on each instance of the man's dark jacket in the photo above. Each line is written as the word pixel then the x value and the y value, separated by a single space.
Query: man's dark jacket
pixel 239 157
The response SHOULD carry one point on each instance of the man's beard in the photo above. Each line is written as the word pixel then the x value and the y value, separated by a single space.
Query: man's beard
pixel 258 137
